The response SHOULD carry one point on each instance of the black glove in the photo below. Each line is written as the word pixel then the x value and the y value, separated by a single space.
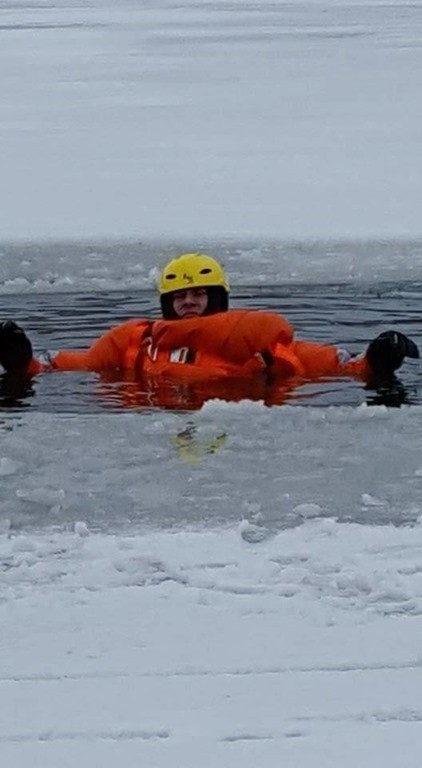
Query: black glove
pixel 15 347
pixel 386 353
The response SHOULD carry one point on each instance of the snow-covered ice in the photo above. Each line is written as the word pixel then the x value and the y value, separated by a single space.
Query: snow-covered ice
pixel 241 586
pixel 213 607
pixel 269 119
pixel 199 648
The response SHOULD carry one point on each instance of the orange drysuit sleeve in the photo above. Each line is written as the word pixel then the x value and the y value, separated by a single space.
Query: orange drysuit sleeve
pixel 118 348
pixel 311 360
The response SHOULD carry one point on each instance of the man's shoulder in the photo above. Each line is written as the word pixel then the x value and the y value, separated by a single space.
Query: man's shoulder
pixel 134 322
pixel 253 312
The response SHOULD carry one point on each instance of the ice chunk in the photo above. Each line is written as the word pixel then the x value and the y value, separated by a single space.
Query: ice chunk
pixel 81 529
pixel 7 466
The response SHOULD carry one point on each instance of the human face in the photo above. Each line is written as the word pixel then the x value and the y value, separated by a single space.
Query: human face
pixel 191 302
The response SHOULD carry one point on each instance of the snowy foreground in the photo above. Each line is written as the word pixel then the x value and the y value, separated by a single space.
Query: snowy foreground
pixel 187 641
pixel 192 649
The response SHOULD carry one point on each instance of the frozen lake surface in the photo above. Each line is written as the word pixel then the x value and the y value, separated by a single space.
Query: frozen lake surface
pixel 192 119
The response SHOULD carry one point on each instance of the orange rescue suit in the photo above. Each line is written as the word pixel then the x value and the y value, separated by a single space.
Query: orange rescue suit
pixel 236 344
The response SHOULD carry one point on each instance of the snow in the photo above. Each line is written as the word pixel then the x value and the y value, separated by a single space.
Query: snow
pixel 192 119
pixel 189 648
pixel 240 585
pixel 231 612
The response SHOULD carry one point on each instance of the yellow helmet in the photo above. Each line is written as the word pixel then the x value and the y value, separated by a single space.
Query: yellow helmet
pixel 192 270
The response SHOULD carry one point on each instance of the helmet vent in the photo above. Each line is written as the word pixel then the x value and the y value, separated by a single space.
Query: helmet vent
pixel 205 271
pixel 171 277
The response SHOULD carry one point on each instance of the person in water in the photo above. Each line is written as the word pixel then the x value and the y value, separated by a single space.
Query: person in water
pixel 200 339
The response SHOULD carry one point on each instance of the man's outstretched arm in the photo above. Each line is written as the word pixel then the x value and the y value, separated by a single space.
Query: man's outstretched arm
pixel 383 357
pixel 110 351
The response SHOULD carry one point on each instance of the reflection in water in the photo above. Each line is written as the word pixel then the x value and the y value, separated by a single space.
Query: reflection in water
pixel 186 395
pixel 390 393
pixel 112 392
pixel 192 449
pixel 152 392
pixel 15 390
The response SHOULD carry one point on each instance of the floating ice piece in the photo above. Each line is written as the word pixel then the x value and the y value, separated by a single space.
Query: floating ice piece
pixel 81 529
pixel 252 533
pixel 154 276
pixel 308 510
pixel 7 466
pixel 371 501
pixel 142 570
pixel 5 526
pixel 41 495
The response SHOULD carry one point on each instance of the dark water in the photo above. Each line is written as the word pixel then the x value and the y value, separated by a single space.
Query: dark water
pixel 347 315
